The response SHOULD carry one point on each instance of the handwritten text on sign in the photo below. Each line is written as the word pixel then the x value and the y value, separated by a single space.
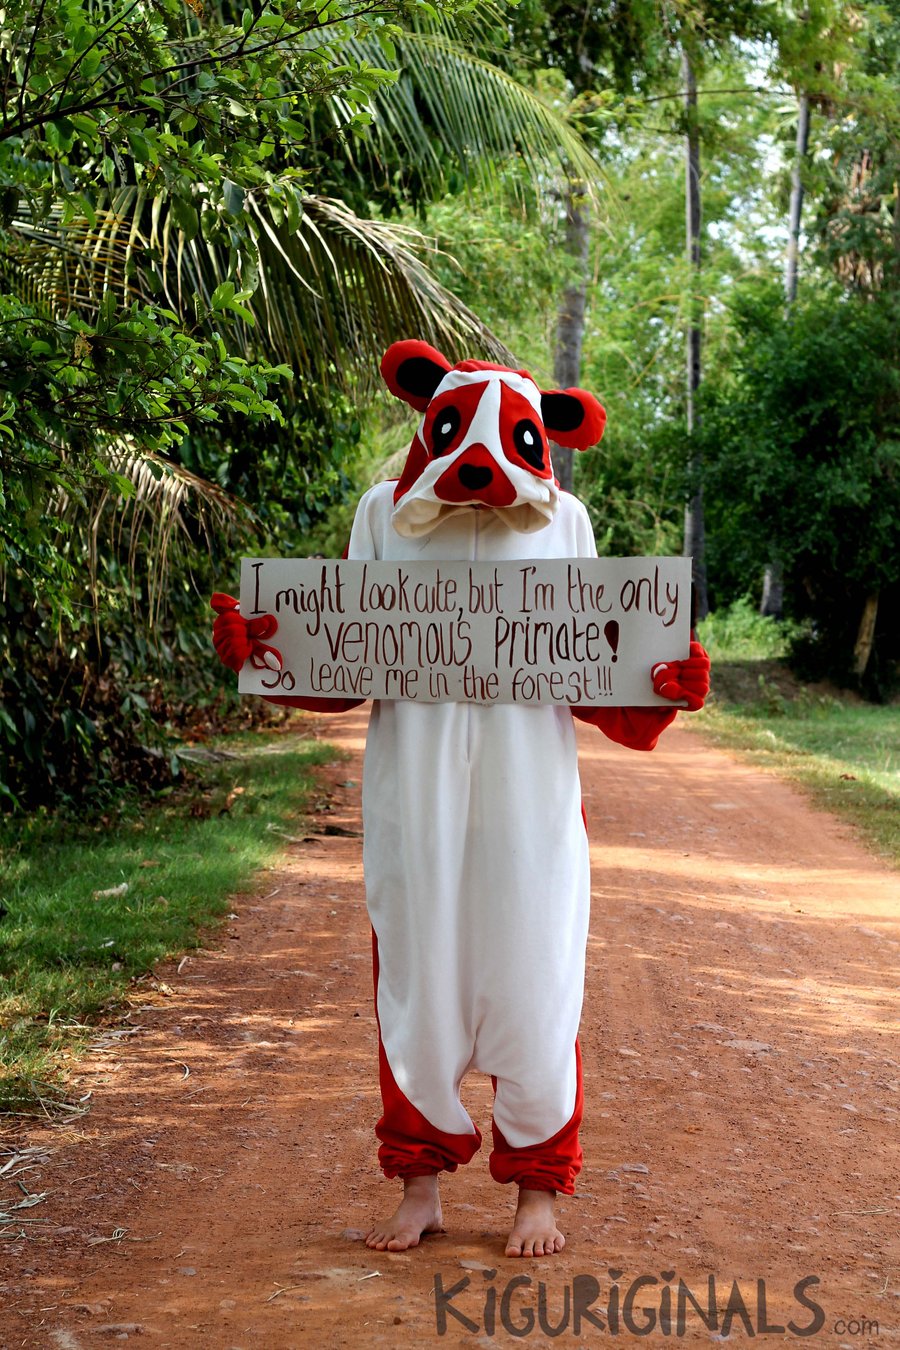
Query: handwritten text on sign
pixel 560 631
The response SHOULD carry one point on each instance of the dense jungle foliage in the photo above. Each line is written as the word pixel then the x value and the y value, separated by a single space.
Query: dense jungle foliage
pixel 213 219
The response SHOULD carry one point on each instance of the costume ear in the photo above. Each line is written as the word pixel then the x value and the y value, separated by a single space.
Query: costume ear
pixel 412 371
pixel 573 418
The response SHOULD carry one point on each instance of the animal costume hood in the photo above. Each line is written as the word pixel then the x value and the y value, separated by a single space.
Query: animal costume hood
pixel 483 440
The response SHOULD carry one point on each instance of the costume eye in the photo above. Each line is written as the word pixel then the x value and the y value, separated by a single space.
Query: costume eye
pixel 529 442
pixel 445 427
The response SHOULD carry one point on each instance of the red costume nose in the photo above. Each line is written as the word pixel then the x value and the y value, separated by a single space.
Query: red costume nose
pixel 475 477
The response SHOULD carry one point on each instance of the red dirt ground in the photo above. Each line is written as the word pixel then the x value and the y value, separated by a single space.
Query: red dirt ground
pixel 741 1080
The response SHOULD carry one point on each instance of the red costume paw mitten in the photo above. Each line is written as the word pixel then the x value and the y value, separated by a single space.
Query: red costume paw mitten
pixel 686 681
pixel 238 640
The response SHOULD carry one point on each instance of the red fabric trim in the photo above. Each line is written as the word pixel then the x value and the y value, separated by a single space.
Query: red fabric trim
pixel 416 463
pixel 638 728
pixel 410 1145
pixel 514 407
pixel 497 492
pixel 550 1166
pixel 489 365
pixel 464 400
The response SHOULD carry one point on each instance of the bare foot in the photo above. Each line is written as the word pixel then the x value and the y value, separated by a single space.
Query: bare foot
pixel 419 1212
pixel 535 1232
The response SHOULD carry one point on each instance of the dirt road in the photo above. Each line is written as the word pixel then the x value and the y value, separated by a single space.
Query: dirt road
pixel 742 1084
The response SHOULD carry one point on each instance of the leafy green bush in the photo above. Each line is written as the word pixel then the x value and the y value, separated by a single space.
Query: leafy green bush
pixel 96 703
pixel 738 632
pixel 801 438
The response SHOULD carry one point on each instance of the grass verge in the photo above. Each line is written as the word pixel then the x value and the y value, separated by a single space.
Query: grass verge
pixel 86 908
pixel 845 753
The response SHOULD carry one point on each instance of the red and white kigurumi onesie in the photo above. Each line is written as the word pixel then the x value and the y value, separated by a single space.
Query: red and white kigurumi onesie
pixel 475 850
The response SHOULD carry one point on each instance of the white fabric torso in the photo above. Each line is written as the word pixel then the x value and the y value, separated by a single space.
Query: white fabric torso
pixel 476 865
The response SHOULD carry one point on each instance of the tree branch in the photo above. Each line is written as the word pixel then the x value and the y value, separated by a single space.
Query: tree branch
pixel 752 89
pixel 216 57
pixel 26 71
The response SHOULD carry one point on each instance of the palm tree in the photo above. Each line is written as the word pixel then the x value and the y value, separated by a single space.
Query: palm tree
pixel 333 287
pixel 327 287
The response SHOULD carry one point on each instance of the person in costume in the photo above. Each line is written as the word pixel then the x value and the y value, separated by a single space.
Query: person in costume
pixel 475 849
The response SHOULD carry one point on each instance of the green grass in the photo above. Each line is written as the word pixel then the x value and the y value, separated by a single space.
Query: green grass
pixel 844 752
pixel 68 954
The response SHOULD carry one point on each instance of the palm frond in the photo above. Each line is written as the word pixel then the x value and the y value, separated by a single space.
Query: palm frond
pixel 331 295
pixel 480 118
pixel 366 285
pixel 167 504
pixel 487 117
pixel 58 266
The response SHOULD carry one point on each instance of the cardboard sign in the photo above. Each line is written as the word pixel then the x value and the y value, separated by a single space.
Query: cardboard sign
pixel 560 631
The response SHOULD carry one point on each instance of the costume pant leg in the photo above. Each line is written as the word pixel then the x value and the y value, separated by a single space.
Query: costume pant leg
pixel 410 1145
pixel 551 1165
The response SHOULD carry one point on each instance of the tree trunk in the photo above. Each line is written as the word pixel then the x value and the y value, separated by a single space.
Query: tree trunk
pixel 796 208
pixel 772 603
pixel 865 636
pixel 570 322
pixel 694 531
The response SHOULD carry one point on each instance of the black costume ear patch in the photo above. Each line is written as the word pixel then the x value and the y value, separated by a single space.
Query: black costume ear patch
pixel 561 412
pixel 419 377
pixel 412 371
pixel 573 418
